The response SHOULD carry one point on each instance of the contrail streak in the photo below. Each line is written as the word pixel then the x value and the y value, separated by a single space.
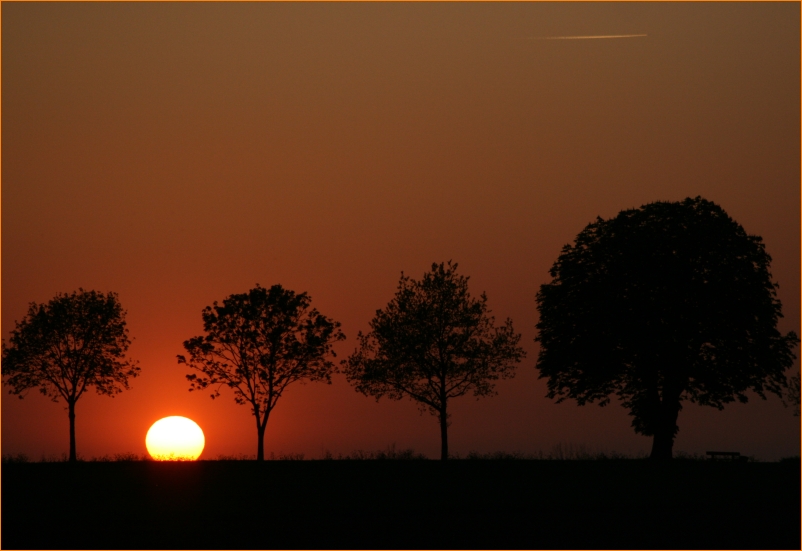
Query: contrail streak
pixel 585 37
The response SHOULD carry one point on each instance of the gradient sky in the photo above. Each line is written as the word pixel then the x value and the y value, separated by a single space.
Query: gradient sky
pixel 177 153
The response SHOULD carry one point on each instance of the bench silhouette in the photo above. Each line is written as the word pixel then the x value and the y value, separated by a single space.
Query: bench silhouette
pixel 733 456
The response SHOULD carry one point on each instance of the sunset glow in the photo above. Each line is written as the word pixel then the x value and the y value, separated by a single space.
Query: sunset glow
pixel 178 153
pixel 394 257
pixel 175 439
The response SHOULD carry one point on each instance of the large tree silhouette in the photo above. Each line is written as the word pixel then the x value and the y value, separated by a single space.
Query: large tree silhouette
pixel 432 343
pixel 68 345
pixel 792 393
pixel 258 343
pixel 669 302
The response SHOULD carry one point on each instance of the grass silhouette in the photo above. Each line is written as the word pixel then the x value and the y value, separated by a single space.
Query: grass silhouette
pixel 559 452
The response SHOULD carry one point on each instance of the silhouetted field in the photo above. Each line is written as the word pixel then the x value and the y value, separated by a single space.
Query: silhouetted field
pixel 493 504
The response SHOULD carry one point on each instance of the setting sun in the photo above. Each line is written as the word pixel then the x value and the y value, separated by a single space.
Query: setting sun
pixel 175 439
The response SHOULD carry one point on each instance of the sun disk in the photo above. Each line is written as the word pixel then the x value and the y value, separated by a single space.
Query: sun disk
pixel 175 439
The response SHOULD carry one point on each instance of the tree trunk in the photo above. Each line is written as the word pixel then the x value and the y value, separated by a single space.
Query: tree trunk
pixel 443 435
pixel 260 446
pixel 71 406
pixel 261 425
pixel 665 429
pixel 662 445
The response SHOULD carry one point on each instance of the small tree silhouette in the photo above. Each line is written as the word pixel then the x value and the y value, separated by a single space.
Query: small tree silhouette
pixel 257 343
pixel 432 343
pixel 64 347
pixel 665 303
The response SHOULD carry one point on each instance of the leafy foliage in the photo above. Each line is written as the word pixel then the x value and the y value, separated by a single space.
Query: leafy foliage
pixel 257 344
pixel 433 342
pixel 68 345
pixel 792 394
pixel 64 347
pixel 668 302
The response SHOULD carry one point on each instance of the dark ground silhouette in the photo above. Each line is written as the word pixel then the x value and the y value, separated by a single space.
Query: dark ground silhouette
pixel 401 504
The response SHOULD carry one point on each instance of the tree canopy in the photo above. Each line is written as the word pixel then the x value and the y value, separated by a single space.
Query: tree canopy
pixel 257 344
pixel 433 342
pixel 68 345
pixel 669 302
pixel 792 394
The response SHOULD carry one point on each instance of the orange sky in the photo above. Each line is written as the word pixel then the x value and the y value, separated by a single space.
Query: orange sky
pixel 177 153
